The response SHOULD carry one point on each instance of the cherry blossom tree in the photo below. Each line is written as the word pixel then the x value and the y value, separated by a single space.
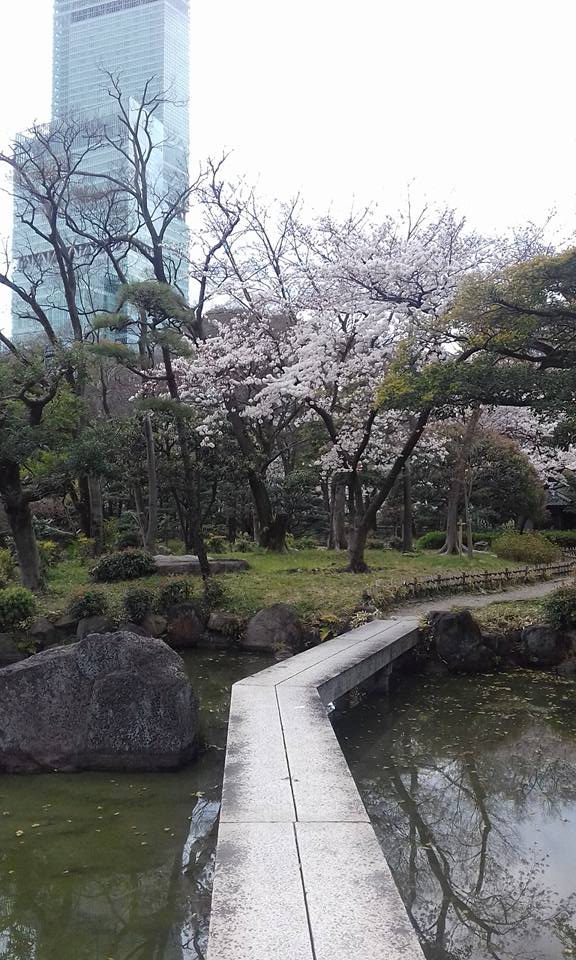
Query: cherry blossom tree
pixel 318 316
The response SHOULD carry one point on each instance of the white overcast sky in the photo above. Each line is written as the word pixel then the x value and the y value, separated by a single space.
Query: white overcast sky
pixel 470 101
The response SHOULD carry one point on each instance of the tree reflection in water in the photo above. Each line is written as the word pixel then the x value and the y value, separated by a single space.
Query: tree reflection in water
pixel 471 786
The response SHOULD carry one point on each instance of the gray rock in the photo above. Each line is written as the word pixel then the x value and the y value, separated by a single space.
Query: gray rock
pixel 9 650
pixel 459 644
pixel 227 624
pixel 567 669
pixel 189 564
pixel 499 643
pixel 277 629
pixel 90 625
pixel 66 626
pixel 184 628
pixel 542 646
pixel 154 624
pixel 110 702
pixel 43 633
pixel 212 640
pixel 130 627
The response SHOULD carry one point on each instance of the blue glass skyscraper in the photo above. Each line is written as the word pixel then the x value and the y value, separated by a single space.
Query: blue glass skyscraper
pixel 137 41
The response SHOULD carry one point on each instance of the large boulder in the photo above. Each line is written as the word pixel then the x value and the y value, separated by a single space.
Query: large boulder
pixel 276 629
pixel 10 652
pixel 222 630
pixel 110 702
pixel 66 627
pixel 154 624
pixel 190 565
pixel 542 646
pixel 42 633
pixel 96 624
pixel 567 669
pixel 459 644
pixel 185 628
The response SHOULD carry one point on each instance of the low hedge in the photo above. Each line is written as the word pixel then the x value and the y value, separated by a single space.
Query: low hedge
pixel 124 565
pixel 526 548
pixel 7 567
pixel 176 590
pixel 138 603
pixel 435 539
pixel 88 603
pixel 17 606
pixel 560 608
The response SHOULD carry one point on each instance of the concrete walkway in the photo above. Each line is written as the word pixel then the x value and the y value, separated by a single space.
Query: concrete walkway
pixel 300 874
pixel 532 591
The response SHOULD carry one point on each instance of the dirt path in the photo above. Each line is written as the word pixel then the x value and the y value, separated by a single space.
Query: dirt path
pixel 474 600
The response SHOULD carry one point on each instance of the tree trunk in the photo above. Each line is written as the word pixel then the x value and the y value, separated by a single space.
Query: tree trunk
pixel 96 514
pixel 456 491
pixel 338 539
pixel 269 529
pixel 273 537
pixel 468 517
pixel 151 529
pixel 407 511
pixel 21 526
pixel 231 529
pixel 82 504
pixel 193 518
pixel 140 510
pixel 362 526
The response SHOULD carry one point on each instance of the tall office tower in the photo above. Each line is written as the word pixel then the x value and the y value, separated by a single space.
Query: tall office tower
pixel 136 41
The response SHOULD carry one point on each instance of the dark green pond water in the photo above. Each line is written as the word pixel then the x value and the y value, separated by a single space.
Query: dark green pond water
pixel 117 867
pixel 471 786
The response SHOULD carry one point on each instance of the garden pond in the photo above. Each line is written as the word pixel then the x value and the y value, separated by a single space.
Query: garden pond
pixel 470 783
pixel 118 866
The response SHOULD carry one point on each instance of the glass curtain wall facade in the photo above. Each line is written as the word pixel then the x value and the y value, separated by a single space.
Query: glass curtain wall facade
pixel 137 41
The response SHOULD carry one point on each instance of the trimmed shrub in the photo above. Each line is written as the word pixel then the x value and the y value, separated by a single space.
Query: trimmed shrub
pixel 434 540
pixel 138 603
pixel 243 544
pixel 374 543
pixel 50 552
pixel 124 565
pixel 7 567
pixel 175 590
pixel 17 606
pixel 128 539
pixel 128 531
pixel 215 595
pixel 81 548
pixel 306 542
pixel 560 608
pixel 215 543
pixel 88 603
pixel 526 548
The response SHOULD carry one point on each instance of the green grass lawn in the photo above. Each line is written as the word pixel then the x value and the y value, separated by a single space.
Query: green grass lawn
pixel 313 581
pixel 505 617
